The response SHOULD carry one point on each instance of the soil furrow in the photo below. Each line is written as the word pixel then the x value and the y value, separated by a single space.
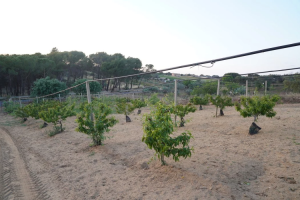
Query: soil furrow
pixel 16 181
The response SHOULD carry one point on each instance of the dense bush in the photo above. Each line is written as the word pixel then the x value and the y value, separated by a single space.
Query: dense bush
pixel 206 88
pixel 10 106
pixel 95 87
pixel 150 90
pixel 46 86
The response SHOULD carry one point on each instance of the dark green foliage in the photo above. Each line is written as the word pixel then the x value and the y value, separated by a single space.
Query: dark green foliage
pixel 231 77
pixel 182 111
pixel 153 99
pixel 257 106
pixel 199 101
pixel 206 88
pixel 187 84
pixel 292 84
pixel 221 102
pixel 18 72
pixel 150 90
pixel 46 86
pixel 95 87
pixel 258 85
pixel 100 125
pixel 232 86
pixel 10 106
pixel 158 126
pixel 57 113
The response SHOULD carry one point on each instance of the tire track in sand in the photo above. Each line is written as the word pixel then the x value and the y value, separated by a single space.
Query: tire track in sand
pixel 16 182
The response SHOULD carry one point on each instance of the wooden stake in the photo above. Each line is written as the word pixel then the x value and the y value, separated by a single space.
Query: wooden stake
pixel 246 88
pixel 89 96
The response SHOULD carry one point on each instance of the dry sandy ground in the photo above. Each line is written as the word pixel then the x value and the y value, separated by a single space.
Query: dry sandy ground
pixel 227 163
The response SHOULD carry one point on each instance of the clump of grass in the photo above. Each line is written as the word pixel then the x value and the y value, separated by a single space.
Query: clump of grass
pixel 56 130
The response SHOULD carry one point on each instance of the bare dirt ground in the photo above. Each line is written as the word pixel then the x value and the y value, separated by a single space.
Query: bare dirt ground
pixel 227 163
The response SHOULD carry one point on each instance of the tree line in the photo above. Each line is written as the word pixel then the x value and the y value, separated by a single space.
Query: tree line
pixel 18 72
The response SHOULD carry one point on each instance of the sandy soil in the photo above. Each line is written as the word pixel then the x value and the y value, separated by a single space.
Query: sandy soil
pixel 227 163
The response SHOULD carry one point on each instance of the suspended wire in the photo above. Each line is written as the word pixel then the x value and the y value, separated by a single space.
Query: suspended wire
pixel 209 61
pixel 212 64
pixel 188 65
pixel 55 92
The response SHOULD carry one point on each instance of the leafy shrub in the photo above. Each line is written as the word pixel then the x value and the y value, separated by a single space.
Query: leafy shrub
pixel 22 112
pixel 44 86
pixel 256 106
pixel 153 99
pixel 125 107
pixel 182 111
pixel 100 125
pixel 206 88
pixel 57 113
pixel 241 90
pixel 150 90
pixel 158 126
pixel 94 86
pixel 139 103
pixel 199 101
pixel 10 106
pixel 166 89
pixel 221 102
pixel 292 84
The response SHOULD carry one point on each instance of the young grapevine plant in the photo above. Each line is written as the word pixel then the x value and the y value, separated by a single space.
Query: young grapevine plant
pixel 221 102
pixel 199 101
pixel 22 112
pixel 125 107
pixel 56 114
pixel 100 125
pixel 182 111
pixel 33 110
pixel 257 106
pixel 158 126
pixel 139 103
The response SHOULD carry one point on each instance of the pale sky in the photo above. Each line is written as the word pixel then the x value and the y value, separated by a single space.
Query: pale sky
pixel 165 33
